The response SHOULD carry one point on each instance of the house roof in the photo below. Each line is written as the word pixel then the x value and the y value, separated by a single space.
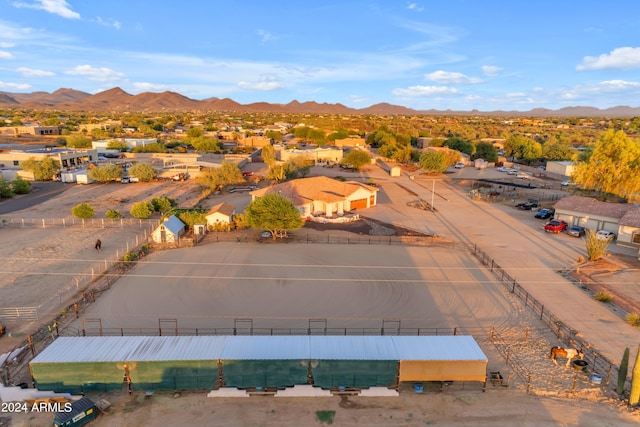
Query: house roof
pixel 173 224
pixel 317 188
pixel 592 206
pixel 223 208
pixel 631 218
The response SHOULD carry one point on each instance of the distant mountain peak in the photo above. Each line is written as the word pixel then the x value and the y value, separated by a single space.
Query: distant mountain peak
pixel 116 99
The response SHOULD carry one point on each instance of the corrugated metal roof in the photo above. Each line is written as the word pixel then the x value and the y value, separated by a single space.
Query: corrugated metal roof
pixel 438 348
pixel 353 348
pixel 118 349
pixel 284 347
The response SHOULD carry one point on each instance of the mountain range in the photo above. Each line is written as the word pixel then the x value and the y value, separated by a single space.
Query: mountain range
pixel 117 99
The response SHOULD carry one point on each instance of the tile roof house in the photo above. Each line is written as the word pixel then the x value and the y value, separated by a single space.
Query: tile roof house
pixel 169 230
pixel 222 213
pixel 321 195
pixel 620 218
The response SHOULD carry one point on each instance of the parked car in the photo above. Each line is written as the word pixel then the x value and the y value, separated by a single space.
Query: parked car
pixel 605 235
pixel 555 226
pixel 502 169
pixel 576 231
pixel 512 172
pixel 523 175
pixel 565 183
pixel 459 165
pixel 247 173
pixel 125 180
pixel 529 205
pixel 545 213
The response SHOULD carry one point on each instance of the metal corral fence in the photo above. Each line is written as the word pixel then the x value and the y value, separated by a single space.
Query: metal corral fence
pixel 112 264
pixel 75 222
pixel 323 237
pixel 597 362
pixel 168 327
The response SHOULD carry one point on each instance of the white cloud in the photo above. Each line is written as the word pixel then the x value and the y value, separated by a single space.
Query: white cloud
pixel 415 91
pixel 30 72
pixel 415 6
pixel 447 77
pixel 622 57
pixel 96 74
pixel 491 70
pixel 14 86
pixel 265 36
pixel 149 87
pixel 107 23
pixel 57 7
pixel 6 44
pixel 5 55
pixel 265 84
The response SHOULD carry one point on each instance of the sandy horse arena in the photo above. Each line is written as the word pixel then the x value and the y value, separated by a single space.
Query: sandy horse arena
pixel 426 286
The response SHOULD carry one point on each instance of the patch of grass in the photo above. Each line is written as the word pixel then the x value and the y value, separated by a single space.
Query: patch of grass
pixel 603 297
pixel 325 416
pixel 633 319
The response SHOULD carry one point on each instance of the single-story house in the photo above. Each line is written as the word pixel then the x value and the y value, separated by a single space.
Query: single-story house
pixel 321 195
pixel 222 213
pixel 620 218
pixel 169 230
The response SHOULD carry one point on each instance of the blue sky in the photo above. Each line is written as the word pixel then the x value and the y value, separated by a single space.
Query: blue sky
pixel 455 54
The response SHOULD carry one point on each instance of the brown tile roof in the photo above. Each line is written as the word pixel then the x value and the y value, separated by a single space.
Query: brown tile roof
pixel 320 188
pixel 592 206
pixel 223 208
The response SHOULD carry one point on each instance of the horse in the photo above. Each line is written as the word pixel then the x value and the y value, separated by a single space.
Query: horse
pixel 98 245
pixel 569 353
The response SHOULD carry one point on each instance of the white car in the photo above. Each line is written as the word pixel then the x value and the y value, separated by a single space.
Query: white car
pixel 522 175
pixel 512 172
pixel 605 235
pixel 459 165
pixel 502 169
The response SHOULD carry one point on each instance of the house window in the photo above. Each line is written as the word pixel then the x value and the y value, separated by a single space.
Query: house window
pixel 635 237
pixel 15 163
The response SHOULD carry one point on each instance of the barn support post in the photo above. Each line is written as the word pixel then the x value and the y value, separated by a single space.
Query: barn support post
pixel 528 383
pixel 44 225
pixel 526 334
pixel 491 334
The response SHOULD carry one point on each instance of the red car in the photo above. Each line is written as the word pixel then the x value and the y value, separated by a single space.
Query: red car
pixel 555 226
pixel 247 173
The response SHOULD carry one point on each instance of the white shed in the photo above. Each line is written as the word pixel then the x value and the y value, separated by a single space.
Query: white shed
pixel 169 230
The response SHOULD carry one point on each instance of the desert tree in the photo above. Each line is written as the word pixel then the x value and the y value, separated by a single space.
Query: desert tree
pixel 43 170
pixel 356 159
pixel 275 213
pixel 433 161
pixel 83 211
pixel 106 173
pixel 143 171
pixel 141 210
pixel 613 167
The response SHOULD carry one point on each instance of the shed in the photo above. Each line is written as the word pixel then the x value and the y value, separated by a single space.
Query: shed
pixel 220 215
pixel 169 230
pixel 441 358
pixel 82 411
pixel 79 364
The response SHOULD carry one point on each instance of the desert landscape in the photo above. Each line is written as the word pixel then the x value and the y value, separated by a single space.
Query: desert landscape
pixel 554 396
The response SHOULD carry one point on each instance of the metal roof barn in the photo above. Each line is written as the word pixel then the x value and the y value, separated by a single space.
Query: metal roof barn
pixel 79 364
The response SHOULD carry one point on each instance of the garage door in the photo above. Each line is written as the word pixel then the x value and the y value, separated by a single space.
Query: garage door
pixel 359 204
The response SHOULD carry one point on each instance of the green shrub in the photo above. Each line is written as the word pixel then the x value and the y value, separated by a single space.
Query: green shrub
pixel 141 210
pixel 112 214
pixel 603 297
pixel 633 319
pixel 83 211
